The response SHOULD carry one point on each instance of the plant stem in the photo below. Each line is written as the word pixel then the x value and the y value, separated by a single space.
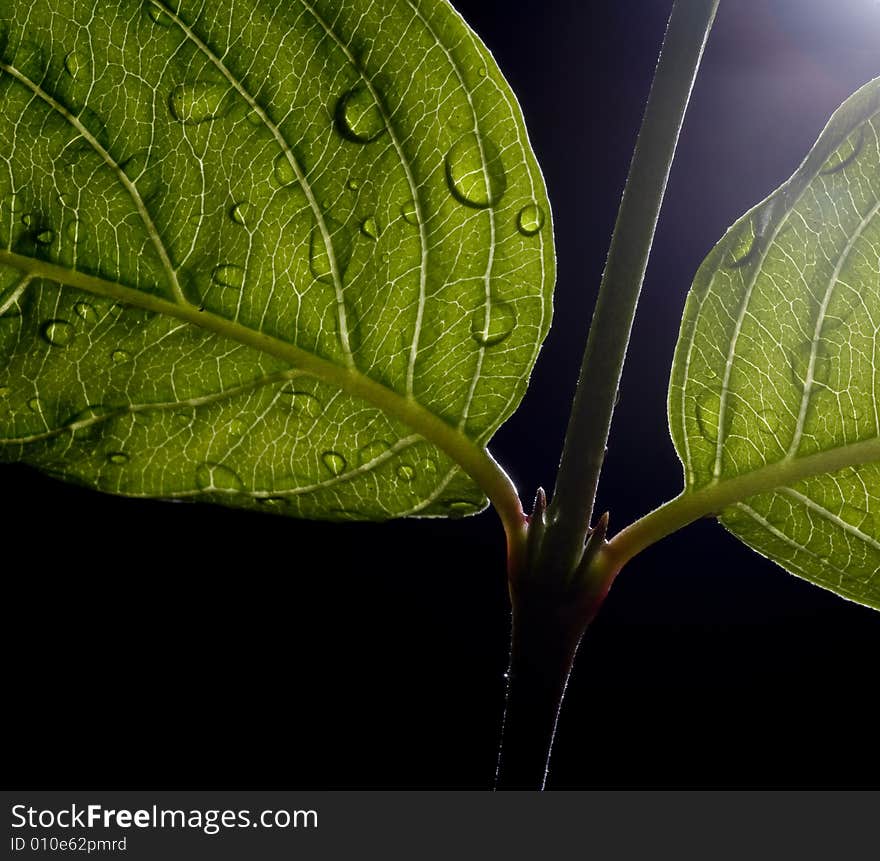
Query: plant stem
pixel 547 629
pixel 556 594
pixel 571 509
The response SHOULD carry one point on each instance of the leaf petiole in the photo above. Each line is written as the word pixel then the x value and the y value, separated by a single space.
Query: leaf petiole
pixel 691 505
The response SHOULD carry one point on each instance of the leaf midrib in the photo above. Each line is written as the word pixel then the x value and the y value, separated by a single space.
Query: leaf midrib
pixel 713 498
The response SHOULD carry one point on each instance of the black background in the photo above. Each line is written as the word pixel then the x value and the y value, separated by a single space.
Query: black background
pixel 182 645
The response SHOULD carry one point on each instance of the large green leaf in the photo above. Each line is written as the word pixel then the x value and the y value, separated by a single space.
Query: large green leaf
pixel 777 369
pixel 253 251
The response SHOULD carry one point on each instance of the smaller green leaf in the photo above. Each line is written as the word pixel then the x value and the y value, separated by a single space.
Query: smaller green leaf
pixel 775 378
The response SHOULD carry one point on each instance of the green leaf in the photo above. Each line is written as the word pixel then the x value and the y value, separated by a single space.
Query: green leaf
pixel 776 372
pixel 294 256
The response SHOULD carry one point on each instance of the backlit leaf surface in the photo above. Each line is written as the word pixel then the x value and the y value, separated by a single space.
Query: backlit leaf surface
pixel 779 360
pixel 213 213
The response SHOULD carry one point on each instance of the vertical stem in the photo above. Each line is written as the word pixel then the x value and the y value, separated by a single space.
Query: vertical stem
pixel 571 510
pixel 547 629
pixel 560 588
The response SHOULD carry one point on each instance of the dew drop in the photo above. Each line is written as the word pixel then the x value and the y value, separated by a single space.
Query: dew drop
pixel 119 357
pixel 199 102
pixel 370 228
pixel 118 458
pixel 744 246
pixel 460 508
pixel 74 63
pixel 358 117
pixel 34 405
pixel 45 237
pixel 406 473
pixel 334 462
pixel 228 275
pixel 409 213
pixel 216 476
pixel 240 212
pixel 72 230
pixel 845 154
pixel 86 311
pixel 482 73
pixel 474 172
pixel 353 185
pixel 86 424
pixel 372 451
pixel 271 502
pixel 159 17
pixel 27 219
pixel 707 415
pixel 501 322
pixel 530 219
pixel 302 403
pixel 283 170
pixel 58 333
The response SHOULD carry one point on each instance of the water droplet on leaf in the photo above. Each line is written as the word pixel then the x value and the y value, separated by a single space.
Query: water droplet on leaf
pixel 87 424
pixel 707 415
pixel 119 357
pixel 44 237
pixel 301 403
pixel 501 322
pixel 240 212
pixel 216 476
pixel 86 312
pixel 744 247
pixel 74 63
pixel 460 508
pixel 334 462
pixel 118 458
pixel 406 473
pixel 474 172
pixel 530 219
pixel 358 117
pixel 228 275
pixel 58 333
pixel 370 228
pixel 846 153
pixel 408 211
pixel 371 451
pixel 283 170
